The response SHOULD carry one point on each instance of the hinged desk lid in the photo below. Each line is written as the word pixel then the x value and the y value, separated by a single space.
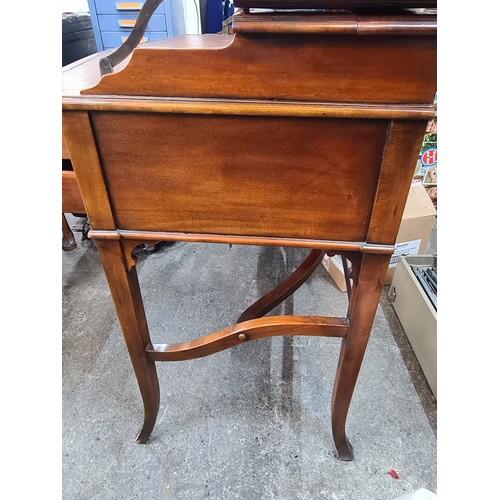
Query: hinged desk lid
pixel 354 5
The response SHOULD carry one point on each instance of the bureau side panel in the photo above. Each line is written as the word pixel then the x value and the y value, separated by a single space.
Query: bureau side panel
pixel 233 175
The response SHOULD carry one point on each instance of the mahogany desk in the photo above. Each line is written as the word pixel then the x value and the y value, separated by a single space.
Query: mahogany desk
pixel 71 200
pixel 297 130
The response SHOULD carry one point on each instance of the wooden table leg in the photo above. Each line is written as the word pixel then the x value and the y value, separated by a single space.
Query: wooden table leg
pixel 126 294
pixel 365 295
pixel 68 240
pixel 277 295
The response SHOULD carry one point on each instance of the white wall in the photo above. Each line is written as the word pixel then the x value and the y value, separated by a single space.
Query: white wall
pixel 192 19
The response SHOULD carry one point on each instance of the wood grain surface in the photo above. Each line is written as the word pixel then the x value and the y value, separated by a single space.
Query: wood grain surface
pixel 258 176
pixel 282 68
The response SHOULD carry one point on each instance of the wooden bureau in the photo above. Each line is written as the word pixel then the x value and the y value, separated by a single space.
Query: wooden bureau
pixel 300 129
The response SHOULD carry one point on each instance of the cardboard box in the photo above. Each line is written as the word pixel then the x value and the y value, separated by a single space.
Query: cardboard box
pixel 413 237
pixel 417 314
pixel 335 269
pixel 416 226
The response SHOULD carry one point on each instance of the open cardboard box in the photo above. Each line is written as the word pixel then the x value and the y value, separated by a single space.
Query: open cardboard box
pixel 417 314
pixel 413 237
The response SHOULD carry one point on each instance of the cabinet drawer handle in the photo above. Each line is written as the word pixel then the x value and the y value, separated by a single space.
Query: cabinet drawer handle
pixel 143 39
pixel 126 23
pixel 129 5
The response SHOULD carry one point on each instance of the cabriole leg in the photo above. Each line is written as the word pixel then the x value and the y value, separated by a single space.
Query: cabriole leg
pixel 364 300
pixel 127 298
pixel 68 239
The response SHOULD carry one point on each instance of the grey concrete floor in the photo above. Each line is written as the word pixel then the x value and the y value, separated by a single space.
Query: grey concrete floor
pixel 252 422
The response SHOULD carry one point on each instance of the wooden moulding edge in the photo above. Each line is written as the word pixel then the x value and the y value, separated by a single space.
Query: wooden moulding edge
pixel 343 246
pixel 248 107
pixel 335 24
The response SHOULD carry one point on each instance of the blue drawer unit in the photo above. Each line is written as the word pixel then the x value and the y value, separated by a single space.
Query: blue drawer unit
pixel 112 22
pixel 110 39
pixel 125 22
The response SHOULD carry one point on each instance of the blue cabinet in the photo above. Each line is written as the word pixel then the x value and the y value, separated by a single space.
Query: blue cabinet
pixel 112 22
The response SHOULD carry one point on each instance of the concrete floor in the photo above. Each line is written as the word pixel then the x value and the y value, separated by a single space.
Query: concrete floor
pixel 252 422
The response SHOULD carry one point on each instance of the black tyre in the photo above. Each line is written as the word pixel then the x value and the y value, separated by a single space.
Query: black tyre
pixel 78 39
